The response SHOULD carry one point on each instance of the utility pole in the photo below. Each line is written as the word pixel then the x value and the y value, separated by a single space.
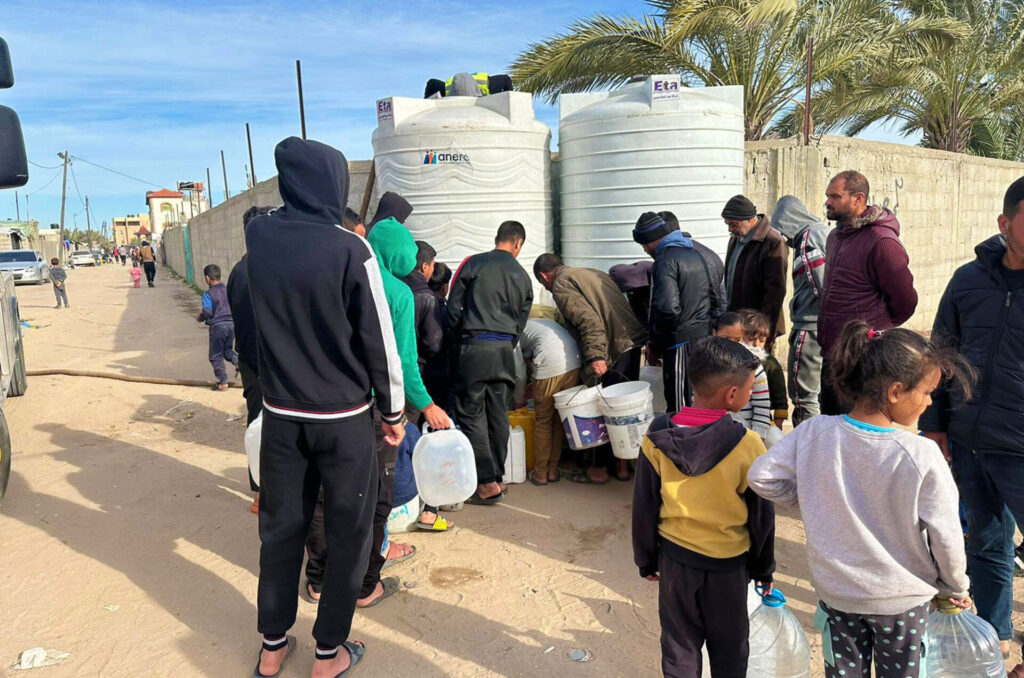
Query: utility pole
pixel 88 222
pixel 252 167
pixel 17 206
pixel 209 190
pixel 28 214
pixel 63 201
pixel 807 92
pixel 302 106
pixel 224 168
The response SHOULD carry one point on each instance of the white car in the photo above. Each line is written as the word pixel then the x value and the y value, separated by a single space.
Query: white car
pixel 82 258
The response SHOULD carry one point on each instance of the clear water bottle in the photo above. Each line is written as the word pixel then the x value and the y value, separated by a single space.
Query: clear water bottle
pixel 962 645
pixel 778 645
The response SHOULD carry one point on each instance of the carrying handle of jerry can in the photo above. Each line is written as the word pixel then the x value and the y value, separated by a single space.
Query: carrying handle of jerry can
pixel 427 429
pixel 773 598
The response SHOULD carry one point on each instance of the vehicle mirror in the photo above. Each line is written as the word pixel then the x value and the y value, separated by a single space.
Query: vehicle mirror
pixel 13 159
pixel 6 69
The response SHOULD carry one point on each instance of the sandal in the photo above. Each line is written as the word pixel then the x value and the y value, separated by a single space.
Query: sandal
pixel 395 561
pixel 356 650
pixel 558 477
pixel 391 585
pixel 534 481
pixel 440 525
pixel 290 642
pixel 582 478
pixel 477 500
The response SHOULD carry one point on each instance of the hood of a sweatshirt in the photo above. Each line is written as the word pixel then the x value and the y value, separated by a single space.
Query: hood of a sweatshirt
pixel 394 246
pixel 791 217
pixel 876 215
pixel 391 206
pixel 695 450
pixel 313 180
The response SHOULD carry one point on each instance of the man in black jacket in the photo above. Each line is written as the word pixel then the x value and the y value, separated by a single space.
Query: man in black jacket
pixel 488 307
pixel 429 325
pixel 716 268
pixel 982 315
pixel 246 340
pixel 680 301
pixel 326 347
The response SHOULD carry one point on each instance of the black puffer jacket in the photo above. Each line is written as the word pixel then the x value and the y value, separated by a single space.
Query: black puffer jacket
pixel 984 318
pixel 680 298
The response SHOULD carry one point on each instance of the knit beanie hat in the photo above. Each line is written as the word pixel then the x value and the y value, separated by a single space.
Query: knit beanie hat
pixel 650 227
pixel 739 207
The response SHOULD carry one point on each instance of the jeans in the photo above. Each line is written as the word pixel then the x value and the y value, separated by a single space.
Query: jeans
pixel 222 338
pixel 992 492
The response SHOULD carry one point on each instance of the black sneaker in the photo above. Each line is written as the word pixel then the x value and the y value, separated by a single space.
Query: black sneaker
pixel 1018 561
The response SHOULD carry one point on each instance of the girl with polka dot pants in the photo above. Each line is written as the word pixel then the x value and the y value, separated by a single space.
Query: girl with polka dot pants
pixel 879 504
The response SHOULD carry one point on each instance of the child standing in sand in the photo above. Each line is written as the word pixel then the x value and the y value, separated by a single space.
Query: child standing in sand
pixel 136 274
pixel 59 278
pixel 878 503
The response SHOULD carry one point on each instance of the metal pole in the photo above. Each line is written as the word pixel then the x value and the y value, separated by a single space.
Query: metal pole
pixel 302 106
pixel 88 222
pixel 63 202
pixel 248 140
pixel 209 189
pixel 17 206
pixel 807 92
pixel 224 168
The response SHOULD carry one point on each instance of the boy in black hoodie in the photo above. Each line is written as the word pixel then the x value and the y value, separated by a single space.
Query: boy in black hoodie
pixel 698 529
pixel 325 344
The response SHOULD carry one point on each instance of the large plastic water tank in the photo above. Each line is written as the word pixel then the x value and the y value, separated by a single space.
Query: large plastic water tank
pixel 466 164
pixel 651 145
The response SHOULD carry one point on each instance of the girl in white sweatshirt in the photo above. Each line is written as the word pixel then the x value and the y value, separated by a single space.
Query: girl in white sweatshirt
pixel 879 504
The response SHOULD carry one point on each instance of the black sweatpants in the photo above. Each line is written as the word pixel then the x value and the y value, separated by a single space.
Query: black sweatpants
pixel 150 267
pixel 698 607
pixel 387 456
pixel 222 341
pixel 253 394
pixel 316 546
pixel 625 368
pixel 295 458
pixel 485 378
pixel 677 384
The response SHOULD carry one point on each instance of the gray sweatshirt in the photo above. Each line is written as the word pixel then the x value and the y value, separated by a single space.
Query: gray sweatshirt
pixel 880 512
pixel 807 235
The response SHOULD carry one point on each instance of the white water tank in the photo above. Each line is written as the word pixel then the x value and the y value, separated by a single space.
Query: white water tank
pixel 466 164
pixel 651 145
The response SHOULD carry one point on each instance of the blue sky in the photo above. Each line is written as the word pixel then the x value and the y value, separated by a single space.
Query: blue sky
pixel 156 90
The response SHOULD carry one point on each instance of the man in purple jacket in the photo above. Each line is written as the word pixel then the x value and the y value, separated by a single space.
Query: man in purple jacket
pixel 867 272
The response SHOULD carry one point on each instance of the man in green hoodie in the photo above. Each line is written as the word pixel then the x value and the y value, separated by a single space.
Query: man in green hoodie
pixel 396 254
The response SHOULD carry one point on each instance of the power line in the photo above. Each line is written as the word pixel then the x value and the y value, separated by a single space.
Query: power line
pixel 127 176
pixel 47 184
pixel 71 166
pixel 47 167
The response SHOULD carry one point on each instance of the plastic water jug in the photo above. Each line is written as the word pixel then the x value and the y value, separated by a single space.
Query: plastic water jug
pixel 962 645
pixel 515 462
pixel 253 436
pixel 444 466
pixel 778 645
pixel 653 376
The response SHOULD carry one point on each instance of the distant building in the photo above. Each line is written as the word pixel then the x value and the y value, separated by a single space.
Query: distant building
pixel 28 231
pixel 173 208
pixel 126 227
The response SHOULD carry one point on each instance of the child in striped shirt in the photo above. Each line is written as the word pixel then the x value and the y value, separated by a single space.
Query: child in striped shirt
pixel 757 415
pixel 756 328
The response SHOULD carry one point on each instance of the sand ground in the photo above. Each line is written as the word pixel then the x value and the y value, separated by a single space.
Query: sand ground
pixel 126 540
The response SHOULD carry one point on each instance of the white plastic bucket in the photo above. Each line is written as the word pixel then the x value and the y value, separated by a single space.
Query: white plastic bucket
pixel 515 462
pixel 628 410
pixel 402 518
pixel 581 417
pixel 253 438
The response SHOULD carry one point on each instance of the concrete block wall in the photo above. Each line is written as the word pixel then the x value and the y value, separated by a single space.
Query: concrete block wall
pixel 172 241
pixel 946 202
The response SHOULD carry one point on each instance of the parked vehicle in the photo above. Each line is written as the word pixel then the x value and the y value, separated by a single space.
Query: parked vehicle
pixel 13 174
pixel 82 258
pixel 26 266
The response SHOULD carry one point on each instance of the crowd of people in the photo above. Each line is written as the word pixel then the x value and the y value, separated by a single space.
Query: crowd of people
pixel 344 333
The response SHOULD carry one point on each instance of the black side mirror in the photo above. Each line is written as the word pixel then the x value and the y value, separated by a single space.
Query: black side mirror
pixel 13 159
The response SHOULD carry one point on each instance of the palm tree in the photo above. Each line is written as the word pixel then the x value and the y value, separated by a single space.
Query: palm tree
pixel 966 99
pixel 759 44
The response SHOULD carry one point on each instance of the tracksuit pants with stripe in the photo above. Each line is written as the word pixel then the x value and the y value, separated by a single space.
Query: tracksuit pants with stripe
pixel 677 385
pixel 295 458
pixel 804 374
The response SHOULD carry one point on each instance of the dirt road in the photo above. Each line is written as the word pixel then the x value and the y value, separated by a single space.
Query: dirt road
pixel 126 539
